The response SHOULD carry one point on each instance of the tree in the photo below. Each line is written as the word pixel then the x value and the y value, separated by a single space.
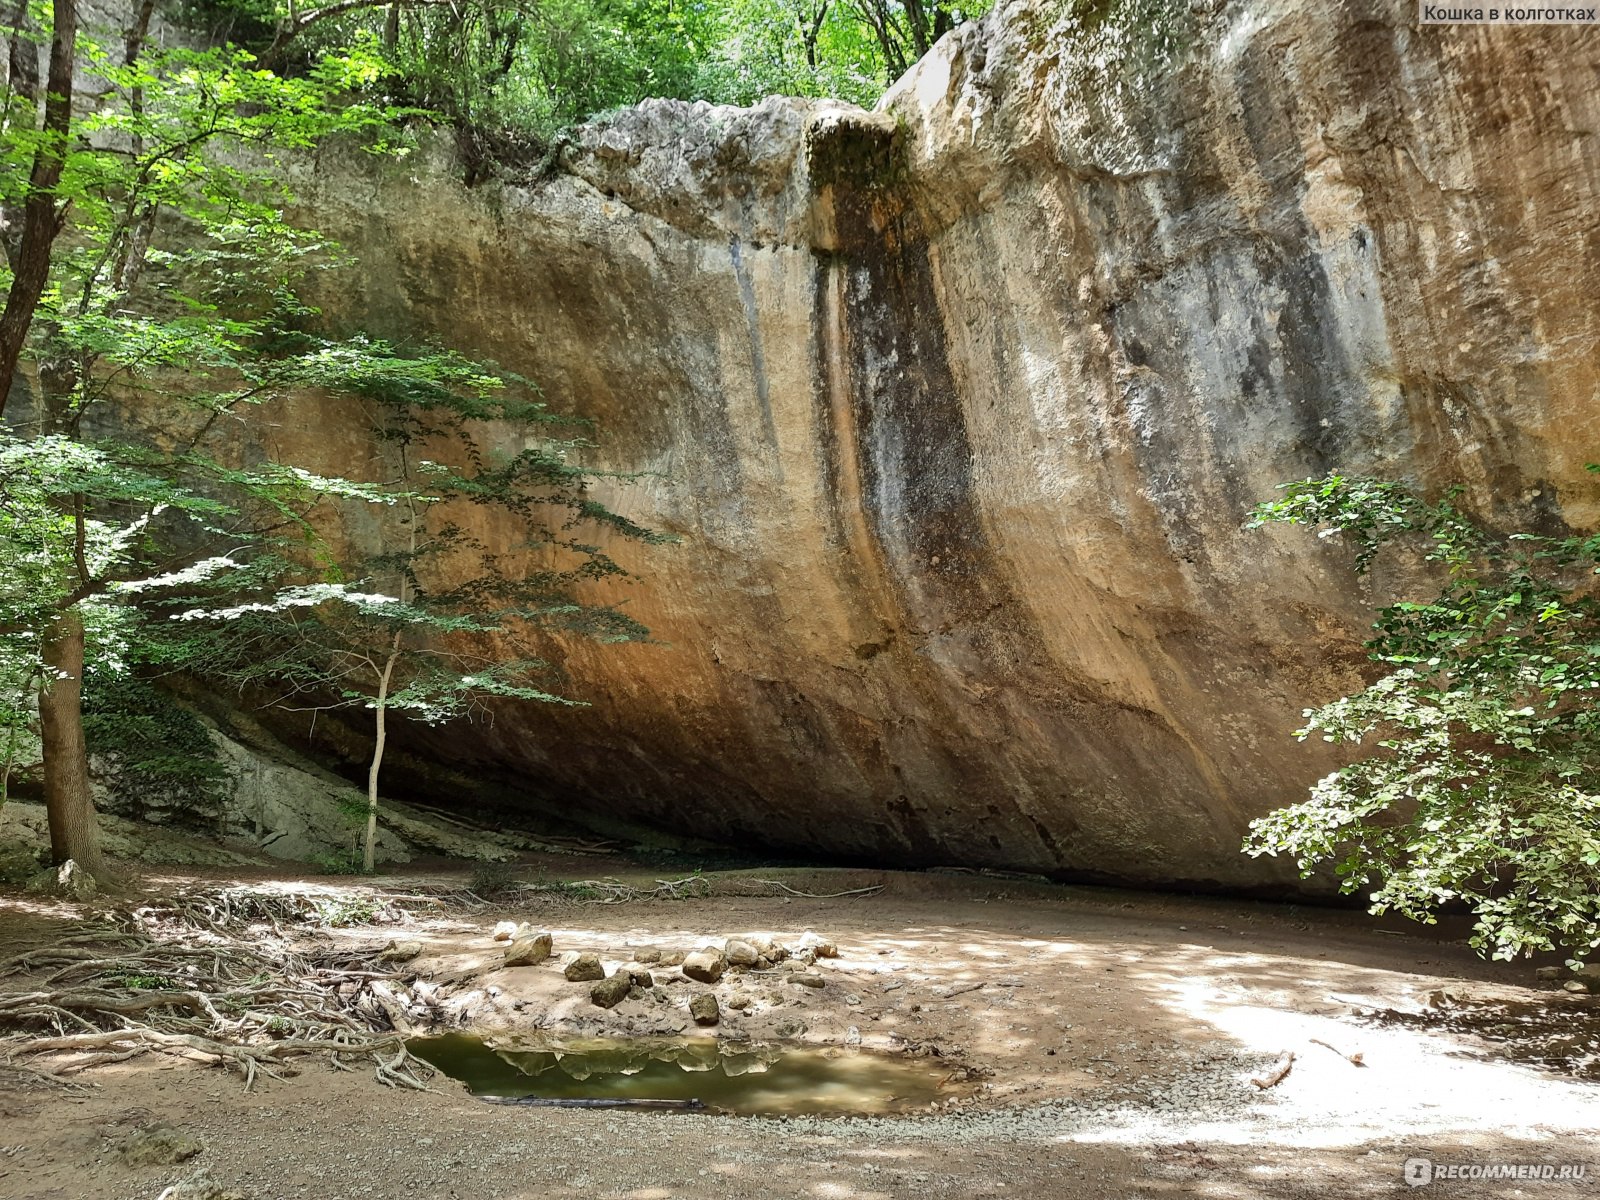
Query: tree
pixel 138 231
pixel 1481 790
pixel 512 75
pixel 437 624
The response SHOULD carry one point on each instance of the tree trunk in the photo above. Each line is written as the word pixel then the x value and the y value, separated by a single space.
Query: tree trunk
pixel 369 845
pixel 8 759
pixel 68 803
pixel 41 216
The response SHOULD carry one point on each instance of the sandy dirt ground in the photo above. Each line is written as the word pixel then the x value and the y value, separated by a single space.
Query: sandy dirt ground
pixel 1100 1044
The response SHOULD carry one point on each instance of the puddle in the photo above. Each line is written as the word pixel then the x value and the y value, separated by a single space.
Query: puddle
pixel 751 1079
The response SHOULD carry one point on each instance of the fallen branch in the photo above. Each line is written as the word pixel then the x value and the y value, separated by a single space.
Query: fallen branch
pixel 960 989
pixel 1277 1075
pixel 784 887
pixel 1355 1060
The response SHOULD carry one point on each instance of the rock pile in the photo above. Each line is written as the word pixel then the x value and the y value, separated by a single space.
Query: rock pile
pixel 642 975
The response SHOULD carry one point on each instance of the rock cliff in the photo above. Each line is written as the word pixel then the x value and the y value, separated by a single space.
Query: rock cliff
pixel 958 407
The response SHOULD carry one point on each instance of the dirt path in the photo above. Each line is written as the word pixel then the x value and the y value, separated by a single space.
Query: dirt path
pixel 1111 1044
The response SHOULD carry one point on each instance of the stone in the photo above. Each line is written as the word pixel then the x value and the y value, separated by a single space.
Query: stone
pixel 639 973
pixel 612 990
pixel 400 951
pixel 528 949
pixel 649 956
pixel 584 969
pixel 504 931
pixel 158 1146
pixel 705 966
pixel 817 945
pixel 703 1008
pixel 290 808
pixel 200 1186
pixel 1549 974
pixel 73 882
pixel 739 1001
pixel 672 958
pixel 740 953
pixel 808 980
pixel 764 963
pixel 852 1036
pixel 1576 985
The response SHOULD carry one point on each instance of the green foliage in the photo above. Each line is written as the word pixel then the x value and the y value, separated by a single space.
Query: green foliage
pixel 344 911
pixel 515 74
pixel 1485 733
pixel 148 983
pixel 156 757
pixel 348 909
pixel 493 878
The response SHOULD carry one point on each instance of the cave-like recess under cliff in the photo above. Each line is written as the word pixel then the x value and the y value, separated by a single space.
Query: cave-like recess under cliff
pixel 958 406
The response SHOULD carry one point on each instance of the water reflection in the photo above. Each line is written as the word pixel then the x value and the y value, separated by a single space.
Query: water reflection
pixel 739 1077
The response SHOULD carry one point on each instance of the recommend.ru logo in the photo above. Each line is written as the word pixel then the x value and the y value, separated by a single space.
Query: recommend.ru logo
pixel 1419 1172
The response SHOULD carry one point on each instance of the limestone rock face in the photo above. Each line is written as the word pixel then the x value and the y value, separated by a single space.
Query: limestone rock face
pixel 958 407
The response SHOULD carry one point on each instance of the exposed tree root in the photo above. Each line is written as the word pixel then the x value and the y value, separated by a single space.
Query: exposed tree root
pixel 693 887
pixel 207 975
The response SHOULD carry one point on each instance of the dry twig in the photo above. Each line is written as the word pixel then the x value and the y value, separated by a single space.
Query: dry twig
pixel 1278 1073
pixel 1355 1060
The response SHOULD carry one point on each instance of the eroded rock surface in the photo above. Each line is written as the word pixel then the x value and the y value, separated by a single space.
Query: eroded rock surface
pixel 958 408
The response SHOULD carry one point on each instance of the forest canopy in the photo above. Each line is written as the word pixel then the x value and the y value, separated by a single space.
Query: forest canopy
pixel 525 70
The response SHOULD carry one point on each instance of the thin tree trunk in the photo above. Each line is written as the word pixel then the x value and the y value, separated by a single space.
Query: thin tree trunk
pixel 68 803
pixel 41 215
pixel 369 846
pixel 13 734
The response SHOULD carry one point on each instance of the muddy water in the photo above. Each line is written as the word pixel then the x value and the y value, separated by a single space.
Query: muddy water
pixel 745 1078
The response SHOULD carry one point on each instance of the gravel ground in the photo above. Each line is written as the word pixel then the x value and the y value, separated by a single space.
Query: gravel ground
pixel 1115 1038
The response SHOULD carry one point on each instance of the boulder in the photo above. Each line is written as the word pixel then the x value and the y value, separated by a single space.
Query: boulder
pixel 585 969
pixel 158 1146
pixel 649 956
pixel 705 966
pixel 612 990
pixel 528 949
pixel 741 953
pixel 73 882
pixel 703 1008
pixel 739 1001
pixel 639 973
